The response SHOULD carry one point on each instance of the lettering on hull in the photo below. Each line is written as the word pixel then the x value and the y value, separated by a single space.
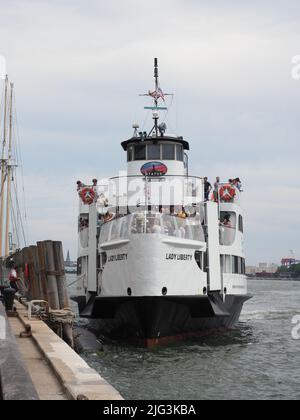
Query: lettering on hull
pixel 179 257
pixel 119 257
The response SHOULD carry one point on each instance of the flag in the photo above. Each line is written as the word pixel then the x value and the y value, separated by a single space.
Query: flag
pixel 157 94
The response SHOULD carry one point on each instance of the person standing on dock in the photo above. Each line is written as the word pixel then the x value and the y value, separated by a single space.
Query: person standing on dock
pixel 13 278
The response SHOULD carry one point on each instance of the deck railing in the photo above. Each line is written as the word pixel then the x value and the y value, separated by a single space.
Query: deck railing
pixel 153 223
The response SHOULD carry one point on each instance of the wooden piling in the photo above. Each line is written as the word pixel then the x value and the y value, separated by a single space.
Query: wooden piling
pixel 61 276
pixel 51 277
pixel 42 266
pixel 35 271
pixel 62 289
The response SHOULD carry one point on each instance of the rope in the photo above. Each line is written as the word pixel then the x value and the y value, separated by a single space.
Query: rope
pixel 61 316
pixel 56 319
pixel 77 280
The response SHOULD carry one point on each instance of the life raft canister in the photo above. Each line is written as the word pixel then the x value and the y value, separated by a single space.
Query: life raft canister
pixel 87 195
pixel 227 193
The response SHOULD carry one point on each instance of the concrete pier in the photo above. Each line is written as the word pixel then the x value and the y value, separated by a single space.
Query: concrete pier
pixel 15 380
pixel 36 364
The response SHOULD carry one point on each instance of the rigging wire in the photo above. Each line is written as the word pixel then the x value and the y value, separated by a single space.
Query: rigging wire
pixel 1 108
pixel 19 212
pixel 14 223
pixel 20 164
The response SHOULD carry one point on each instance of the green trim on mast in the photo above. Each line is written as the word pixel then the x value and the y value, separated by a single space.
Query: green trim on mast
pixel 156 108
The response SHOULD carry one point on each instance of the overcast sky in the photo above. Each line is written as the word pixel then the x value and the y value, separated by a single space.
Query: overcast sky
pixel 79 66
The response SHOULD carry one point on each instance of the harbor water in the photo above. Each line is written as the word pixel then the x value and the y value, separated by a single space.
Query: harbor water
pixel 258 360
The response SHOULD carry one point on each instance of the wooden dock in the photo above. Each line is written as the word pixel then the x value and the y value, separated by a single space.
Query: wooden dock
pixel 37 364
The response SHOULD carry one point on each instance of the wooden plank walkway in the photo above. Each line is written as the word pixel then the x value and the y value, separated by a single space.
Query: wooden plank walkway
pixel 42 366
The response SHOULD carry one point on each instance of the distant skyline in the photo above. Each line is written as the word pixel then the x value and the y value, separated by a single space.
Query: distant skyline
pixel 79 67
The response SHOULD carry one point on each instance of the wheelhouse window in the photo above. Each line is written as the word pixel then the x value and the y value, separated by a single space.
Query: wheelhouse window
pixel 153 151
pixel 140 152
pixel 168 152
pixel 179 152
pixel 130 154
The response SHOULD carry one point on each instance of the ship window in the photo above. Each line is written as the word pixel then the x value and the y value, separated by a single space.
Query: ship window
pixel 227 228
pixel 168 152
pixel 79 266
pixel 179 152
pixel 243 266
pixel 227 264
pixel 241 224
pixel 130 154
pixel 153 151
pixel 235 265
pixel 199 259
pixel 140 152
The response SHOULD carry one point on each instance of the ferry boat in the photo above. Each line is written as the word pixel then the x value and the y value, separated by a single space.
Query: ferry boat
pixel 158 260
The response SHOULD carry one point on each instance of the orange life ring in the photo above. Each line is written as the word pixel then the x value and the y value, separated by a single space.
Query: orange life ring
pixel 227 193
pixel 87 195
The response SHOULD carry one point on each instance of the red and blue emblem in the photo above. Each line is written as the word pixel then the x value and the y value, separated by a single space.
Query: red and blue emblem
pixel 154 169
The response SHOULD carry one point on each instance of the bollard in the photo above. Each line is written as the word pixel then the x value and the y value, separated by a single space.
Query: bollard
pixel 2 287
pixel 9 296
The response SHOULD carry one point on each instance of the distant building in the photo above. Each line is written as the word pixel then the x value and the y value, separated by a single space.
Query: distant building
pixel 251 270
pixel 263 270
pixel 263 266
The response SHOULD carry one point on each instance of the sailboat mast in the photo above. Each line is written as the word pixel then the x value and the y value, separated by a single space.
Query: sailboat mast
pixel 9 171
pixel 3 167
pixel 156 90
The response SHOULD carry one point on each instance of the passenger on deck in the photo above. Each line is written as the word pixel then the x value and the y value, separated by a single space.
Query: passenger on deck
pixel 238 184
pixel 100 220
pixel 216 189
pixel 103 201
pixel 95 187
pixel 156 228
pixel 183 214
pixel 172 211
pixel 108 217
pixel 207 189
pixel 226 221
pixel 79 185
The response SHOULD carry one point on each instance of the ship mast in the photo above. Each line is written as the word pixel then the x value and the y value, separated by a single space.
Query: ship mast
pixel 156 98
pixel 3 166
pixel 9 172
